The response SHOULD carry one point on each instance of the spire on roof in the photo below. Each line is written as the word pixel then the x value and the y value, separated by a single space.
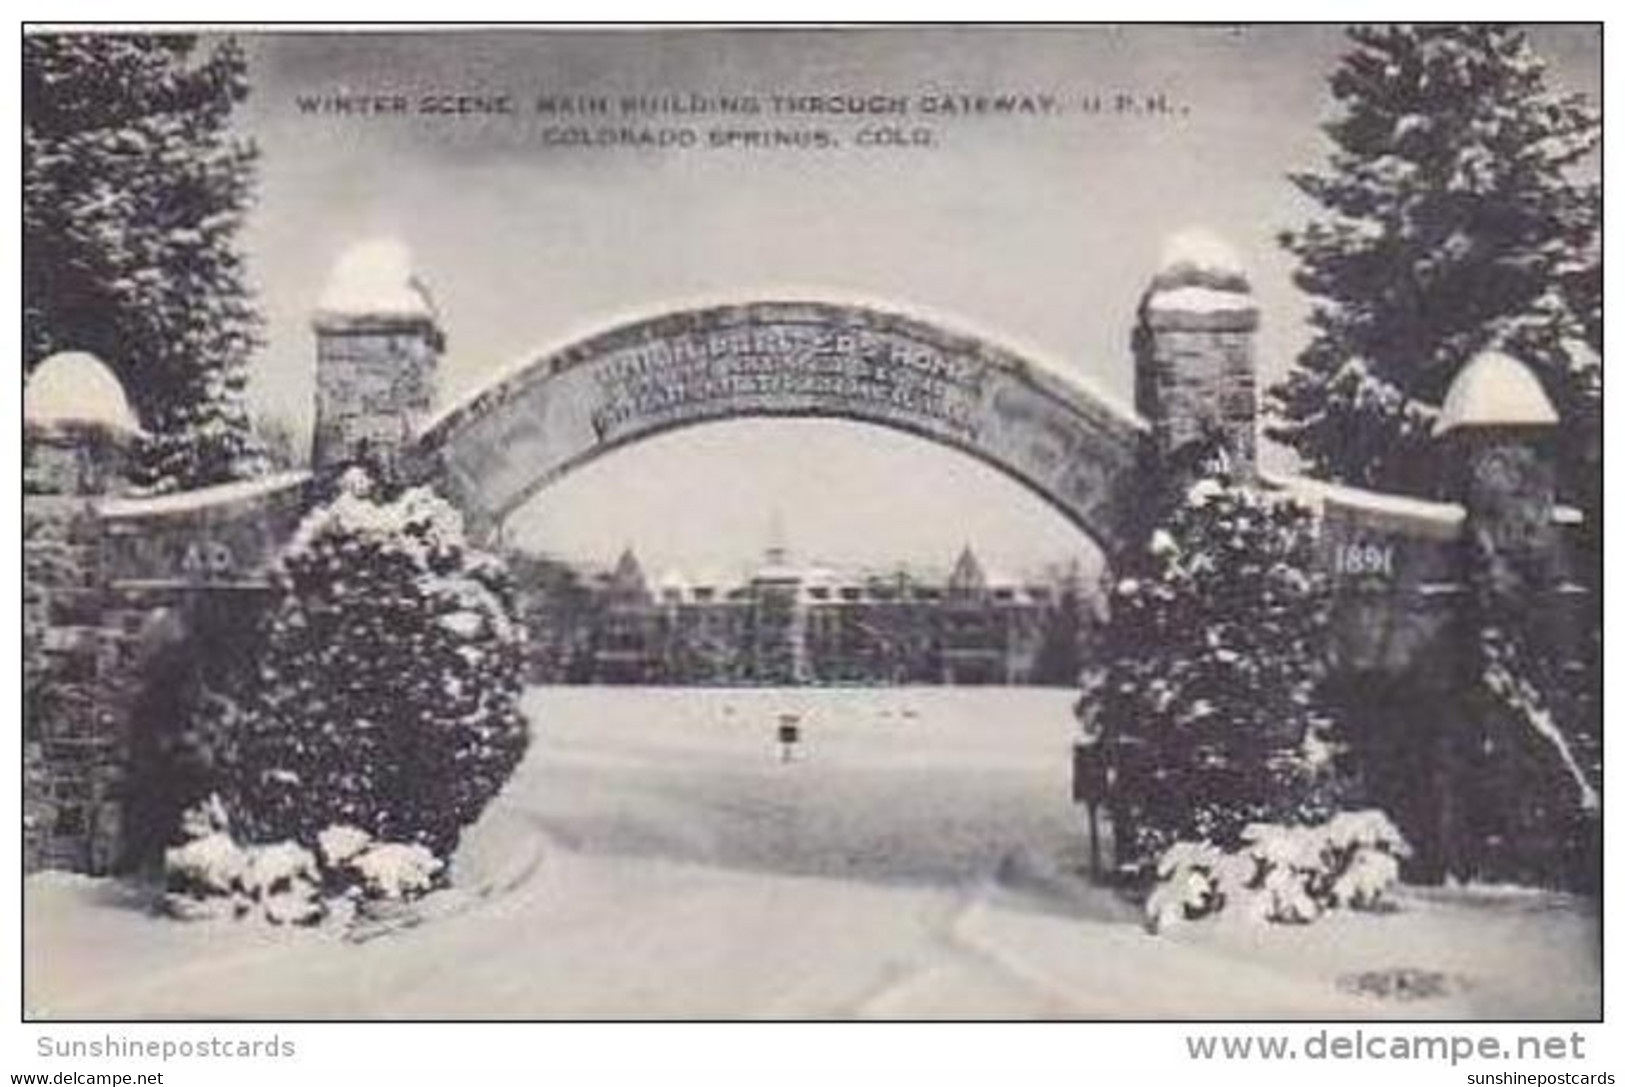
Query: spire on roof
pixel 968 577
pixel 628 576
pixel 778 548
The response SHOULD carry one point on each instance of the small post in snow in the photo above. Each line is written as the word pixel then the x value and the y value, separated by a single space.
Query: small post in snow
pixel 1089 782
pixel 789 735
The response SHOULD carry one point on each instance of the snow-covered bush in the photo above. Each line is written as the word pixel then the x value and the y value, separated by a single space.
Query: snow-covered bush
pixel 387 698
pixel 337 846
pixel 1187 884
pixel 283 879
pixel 1365 849
pixel 1287 874
pixel 1208 698
pixel 212 875
pixel 204 877
pixel 395 871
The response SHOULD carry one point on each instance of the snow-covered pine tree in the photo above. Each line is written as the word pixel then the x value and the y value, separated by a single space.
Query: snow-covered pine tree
pixel 388 692
pixel 1062 649
pixel 1461 209
pixel 1531 739
pixel 134 191
pixel 1207 691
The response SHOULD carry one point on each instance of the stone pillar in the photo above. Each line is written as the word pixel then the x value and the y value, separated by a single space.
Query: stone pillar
pixel 1497 436
pixel 1495 430
pixel 78 437
pixel 1194 357
pixel 74 740
pixel 378 346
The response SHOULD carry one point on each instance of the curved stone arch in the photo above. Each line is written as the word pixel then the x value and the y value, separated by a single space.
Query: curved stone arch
pixel 495 450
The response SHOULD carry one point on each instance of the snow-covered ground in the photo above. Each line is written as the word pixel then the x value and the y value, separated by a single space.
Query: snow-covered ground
pixel 919 858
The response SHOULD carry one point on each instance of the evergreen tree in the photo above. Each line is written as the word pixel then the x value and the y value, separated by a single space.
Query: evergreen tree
pixel 1208 693
pixel 1061 650
pixel 1531 739
pixel 134 190
pixel 1455 217
pixel 388 692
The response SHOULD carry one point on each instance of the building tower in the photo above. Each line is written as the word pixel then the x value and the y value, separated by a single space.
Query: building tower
pixel 778 621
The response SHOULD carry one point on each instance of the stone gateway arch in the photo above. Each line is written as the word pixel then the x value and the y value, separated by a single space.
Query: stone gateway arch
pixel 494 451
pixel 379 341
pixel 120 583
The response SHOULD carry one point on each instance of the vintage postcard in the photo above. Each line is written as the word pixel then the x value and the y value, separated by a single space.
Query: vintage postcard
pixel 909 522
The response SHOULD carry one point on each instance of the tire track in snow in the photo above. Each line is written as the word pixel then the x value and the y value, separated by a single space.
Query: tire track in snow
pixel 953 937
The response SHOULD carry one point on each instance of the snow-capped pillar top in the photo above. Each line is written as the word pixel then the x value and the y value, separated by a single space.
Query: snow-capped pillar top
pixel 1495 390
pixel 79 425
pixel 1495 427
pixel 1194 353
pixel 378 346
pixel 74 388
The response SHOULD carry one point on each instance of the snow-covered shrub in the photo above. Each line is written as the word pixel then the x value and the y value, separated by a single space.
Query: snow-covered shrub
pixel 1285 874
pixel 203 876
pixel 1529 803
pixel 283 879
pixel 395 871
pixel 359 867
pixel 1367 879
pixel 1187 884
pixel 212 875
pixel 387 698
pixel 1208 696
pixel 338 845
pixel 1364 849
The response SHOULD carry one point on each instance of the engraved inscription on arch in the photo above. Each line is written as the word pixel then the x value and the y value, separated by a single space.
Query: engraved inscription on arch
pixel 767 367
pixel 788 359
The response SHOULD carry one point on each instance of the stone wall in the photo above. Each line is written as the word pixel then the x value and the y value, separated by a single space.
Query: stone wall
pixel 74 754
pixel 117 590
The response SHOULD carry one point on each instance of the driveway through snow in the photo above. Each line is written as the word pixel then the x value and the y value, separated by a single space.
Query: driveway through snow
pixel 917 859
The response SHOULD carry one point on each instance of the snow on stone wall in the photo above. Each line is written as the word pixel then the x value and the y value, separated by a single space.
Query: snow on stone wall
pixel 1318 495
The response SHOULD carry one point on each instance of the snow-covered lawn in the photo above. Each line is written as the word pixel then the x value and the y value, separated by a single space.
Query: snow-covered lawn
pixel 918 858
